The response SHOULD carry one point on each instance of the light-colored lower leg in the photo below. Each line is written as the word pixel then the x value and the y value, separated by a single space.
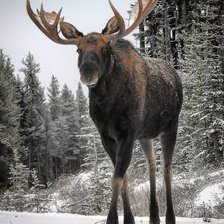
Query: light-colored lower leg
pixel 128 217
pixel 151 160
pixel 117 183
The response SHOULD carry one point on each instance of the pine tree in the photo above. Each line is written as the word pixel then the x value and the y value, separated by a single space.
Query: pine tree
pixel 68 132
pixel 202 138
pixel 15 198
pixel 84 121
pixel 213 90
pixel 54 98
pixel 9 117
pixel 34 113
pixel 97 161
pixel 81 104
pixel 52 124
pixel 20 197
pixel 158 32
pixel 20 102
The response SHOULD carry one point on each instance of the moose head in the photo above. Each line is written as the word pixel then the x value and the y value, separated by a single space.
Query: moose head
pixel 92 48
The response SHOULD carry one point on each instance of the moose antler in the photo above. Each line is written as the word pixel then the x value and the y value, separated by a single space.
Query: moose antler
pixel 143 10
pixel 48 24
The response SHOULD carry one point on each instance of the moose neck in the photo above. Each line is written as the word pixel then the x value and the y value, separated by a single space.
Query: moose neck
pixel 101 90
pixel 118 78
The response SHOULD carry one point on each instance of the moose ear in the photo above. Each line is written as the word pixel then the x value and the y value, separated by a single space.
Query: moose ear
pixel 69 31
pixel 111 27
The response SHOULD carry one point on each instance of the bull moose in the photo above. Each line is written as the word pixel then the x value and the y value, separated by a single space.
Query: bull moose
pixel 131 97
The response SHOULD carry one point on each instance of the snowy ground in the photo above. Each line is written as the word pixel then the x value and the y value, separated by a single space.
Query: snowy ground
pixel 55 218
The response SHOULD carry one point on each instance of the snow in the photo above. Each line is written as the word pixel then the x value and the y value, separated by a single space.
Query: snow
pixel 219 173
pixel 209 195
pixel 56 218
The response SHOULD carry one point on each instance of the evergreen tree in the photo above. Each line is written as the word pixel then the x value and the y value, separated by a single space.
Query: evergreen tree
pixel 99 163
pixel 15 198
pixel 84 121
pixel 54 98
pixel 9 117
pixel 34 130
pixel 68 132
pixel 52 124
pixel 20 102
pixel 202 138
pixel 157 33
pixel 212 107
pixel 82 106
pixel 18 197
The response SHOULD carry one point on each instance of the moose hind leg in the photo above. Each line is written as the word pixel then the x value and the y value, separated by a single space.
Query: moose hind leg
pixel 150 157
pixel 168 140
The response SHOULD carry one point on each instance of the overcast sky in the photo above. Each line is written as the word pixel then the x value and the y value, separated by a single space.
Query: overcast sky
pixel 19 35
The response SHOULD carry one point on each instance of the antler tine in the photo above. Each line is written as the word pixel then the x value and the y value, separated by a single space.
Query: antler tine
pixel 142 13
pixel 120 21
pixel 50 30
pixel 46 24
pixel 34 17
pixel 58 17
pixel 138 19
pixel 149 7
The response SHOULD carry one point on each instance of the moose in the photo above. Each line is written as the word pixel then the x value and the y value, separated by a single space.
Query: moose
pixel 131 97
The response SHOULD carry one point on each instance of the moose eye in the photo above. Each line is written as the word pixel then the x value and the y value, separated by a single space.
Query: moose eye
pixel 105 50
pixel 79 51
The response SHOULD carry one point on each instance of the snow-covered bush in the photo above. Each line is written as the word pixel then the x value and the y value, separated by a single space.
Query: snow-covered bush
pixel 20 197
pixel 193 196
pixel 80 194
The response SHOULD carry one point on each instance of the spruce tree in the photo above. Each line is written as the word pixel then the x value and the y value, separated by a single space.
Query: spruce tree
pixel 20 102
pixel 9 117
pixel 84 122
pixel 52 124
pixel 202 72
pixel 82 106
pixel 213 89
pixel 15 197
pixel 97 161
pixel 54 98
pixel 157 33
pixel 20 196
pixel 68 132
pixel 34 130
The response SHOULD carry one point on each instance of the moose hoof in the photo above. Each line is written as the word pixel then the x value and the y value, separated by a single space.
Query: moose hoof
pixel 155 221
pixel 112 220
pixel 129 220
pixel 170 221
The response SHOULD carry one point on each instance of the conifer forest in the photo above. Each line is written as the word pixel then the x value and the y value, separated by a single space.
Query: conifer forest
pixel 50 150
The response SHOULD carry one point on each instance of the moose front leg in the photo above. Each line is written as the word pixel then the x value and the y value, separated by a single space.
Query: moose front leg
pixel 119 182
pixel 128 217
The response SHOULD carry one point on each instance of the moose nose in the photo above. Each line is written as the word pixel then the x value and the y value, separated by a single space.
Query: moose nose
pixel 90 73
pixel 88 68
